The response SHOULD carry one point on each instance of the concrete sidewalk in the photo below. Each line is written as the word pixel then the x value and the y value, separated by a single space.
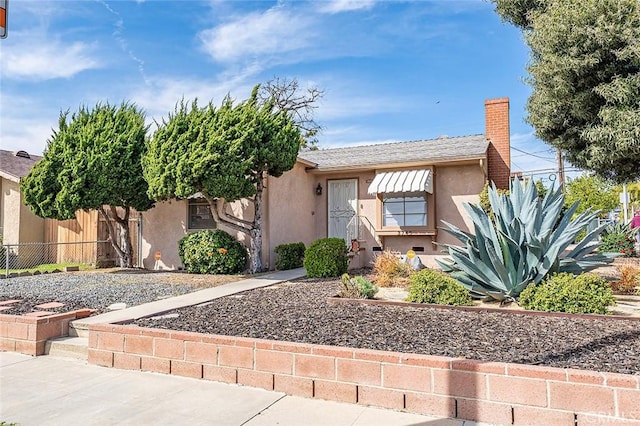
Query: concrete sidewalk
pixel 58 391
pixel 190 299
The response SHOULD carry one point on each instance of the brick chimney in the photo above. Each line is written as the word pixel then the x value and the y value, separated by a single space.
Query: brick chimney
pixel 497 132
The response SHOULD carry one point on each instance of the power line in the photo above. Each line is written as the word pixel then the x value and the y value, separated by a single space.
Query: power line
pixel 534 155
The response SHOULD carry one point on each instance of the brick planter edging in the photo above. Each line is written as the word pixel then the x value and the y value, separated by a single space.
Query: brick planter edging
pixel 492 392
pixel 28 335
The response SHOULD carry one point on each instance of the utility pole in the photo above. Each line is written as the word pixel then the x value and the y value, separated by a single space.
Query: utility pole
pixel 560 169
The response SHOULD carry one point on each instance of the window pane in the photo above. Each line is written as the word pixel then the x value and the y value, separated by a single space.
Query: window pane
pixel 415 220
pixel 393 208
pixel 200 216
pixel 419 207
pixel 393 220
pixel 407 210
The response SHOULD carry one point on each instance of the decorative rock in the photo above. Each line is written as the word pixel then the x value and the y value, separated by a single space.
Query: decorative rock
pixel 116 306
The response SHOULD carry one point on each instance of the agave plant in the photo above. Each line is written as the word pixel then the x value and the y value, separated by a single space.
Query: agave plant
pixel 525 242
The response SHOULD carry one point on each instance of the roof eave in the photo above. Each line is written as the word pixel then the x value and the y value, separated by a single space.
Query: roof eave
pixel 9 176
pixel 382 166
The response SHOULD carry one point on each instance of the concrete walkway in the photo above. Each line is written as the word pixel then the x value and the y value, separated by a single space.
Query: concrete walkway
pixel 58 391
pixel 190 299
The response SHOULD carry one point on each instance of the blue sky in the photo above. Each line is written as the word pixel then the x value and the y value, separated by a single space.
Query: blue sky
pixel 391 70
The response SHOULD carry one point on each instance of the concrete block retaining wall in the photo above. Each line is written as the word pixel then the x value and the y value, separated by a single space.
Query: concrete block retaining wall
pixel 28 335
pixel 482 391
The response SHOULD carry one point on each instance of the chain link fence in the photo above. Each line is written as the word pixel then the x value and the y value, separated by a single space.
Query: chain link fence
pixel 30 257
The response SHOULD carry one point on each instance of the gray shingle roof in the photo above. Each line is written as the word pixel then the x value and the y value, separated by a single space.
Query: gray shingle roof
pixel 427 151
pixel 16 166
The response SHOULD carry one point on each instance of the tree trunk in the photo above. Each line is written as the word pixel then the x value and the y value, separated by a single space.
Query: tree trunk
pixel 255 255
pixel 125 253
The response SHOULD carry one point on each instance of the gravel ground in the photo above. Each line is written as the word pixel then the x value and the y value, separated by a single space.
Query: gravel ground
pixel 99 289
pixel 299 312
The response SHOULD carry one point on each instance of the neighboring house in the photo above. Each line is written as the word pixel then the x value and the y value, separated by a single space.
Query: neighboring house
pixel 386 196
pixel 17 223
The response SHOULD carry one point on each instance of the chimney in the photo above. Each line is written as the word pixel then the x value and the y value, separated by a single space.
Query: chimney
pixel 497 132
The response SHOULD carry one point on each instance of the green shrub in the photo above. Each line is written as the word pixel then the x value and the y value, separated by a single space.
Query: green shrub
pixel 326 257
pixel 617 242
pixel 212 252
pixel 290 256
pixel 565 292
pixel 357 287
pixel 431 286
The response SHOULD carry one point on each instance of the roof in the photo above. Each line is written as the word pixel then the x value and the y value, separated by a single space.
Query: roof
pixel 14 167
pixel 379 155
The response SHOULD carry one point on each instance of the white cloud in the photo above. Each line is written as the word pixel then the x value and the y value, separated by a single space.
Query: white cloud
pixel 257 35
pixel 162 94
pixel 42 59
pixel 338 6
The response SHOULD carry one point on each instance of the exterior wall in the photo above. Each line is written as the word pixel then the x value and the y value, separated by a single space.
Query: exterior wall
pixel 18 224
pixel 453 186
pixel 165 224
pixel 491 392
pixel 292 211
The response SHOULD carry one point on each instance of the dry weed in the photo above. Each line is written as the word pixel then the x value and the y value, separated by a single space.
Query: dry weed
pixel 629 280
pixel 391 271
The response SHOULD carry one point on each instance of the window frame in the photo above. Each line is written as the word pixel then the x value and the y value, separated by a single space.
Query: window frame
pixel 405 203
pixel 198 202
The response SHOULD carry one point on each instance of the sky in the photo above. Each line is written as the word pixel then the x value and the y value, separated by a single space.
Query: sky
pixel 389 70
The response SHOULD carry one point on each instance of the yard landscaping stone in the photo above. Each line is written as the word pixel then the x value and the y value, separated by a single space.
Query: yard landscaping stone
pixel 298 311
pixel 100 289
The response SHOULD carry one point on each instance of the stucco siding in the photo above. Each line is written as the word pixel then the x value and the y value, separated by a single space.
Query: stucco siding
pixel 292 211
pixel 165 224
pixel 456 186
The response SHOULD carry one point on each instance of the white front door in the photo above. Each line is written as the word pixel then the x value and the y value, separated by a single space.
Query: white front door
pixel 343 209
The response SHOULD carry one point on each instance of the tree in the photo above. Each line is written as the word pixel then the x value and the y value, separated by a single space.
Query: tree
pixel 225 154
pixel 298 104
pixel 593 193
pixel 585 75
pixel 93 162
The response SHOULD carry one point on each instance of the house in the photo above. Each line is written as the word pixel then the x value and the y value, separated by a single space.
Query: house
pixel 386 196
pixel 17 223
pixel 73 240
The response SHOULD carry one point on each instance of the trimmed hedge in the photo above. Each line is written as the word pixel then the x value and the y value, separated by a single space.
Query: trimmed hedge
pixel 326 257
pixel 290 256
pixel 565 292
pixel 431 286
pixel 212 252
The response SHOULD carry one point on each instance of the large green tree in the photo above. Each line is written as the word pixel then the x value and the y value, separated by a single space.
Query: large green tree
pixel 592 192
pixel 225 154
pixel 585 75
pixel 93 162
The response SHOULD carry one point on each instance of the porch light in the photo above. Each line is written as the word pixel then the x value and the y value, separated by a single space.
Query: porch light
pixel 319 189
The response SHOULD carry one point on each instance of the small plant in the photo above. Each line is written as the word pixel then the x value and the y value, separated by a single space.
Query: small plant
pixel 431 286
pixel 212 252
pixel 618 242
pixel 290 256
pixel 565 292
pixel 357 287
pixel 629 280
pixel 391 271
pixel 326 257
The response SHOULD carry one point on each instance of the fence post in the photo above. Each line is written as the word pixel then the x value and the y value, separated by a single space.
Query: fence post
pixel 6 260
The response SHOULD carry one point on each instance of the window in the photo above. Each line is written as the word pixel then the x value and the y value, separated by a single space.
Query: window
pixel 200 216
pixel 406 209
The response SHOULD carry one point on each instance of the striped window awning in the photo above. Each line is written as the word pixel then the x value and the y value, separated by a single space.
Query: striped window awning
pixel 402 181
